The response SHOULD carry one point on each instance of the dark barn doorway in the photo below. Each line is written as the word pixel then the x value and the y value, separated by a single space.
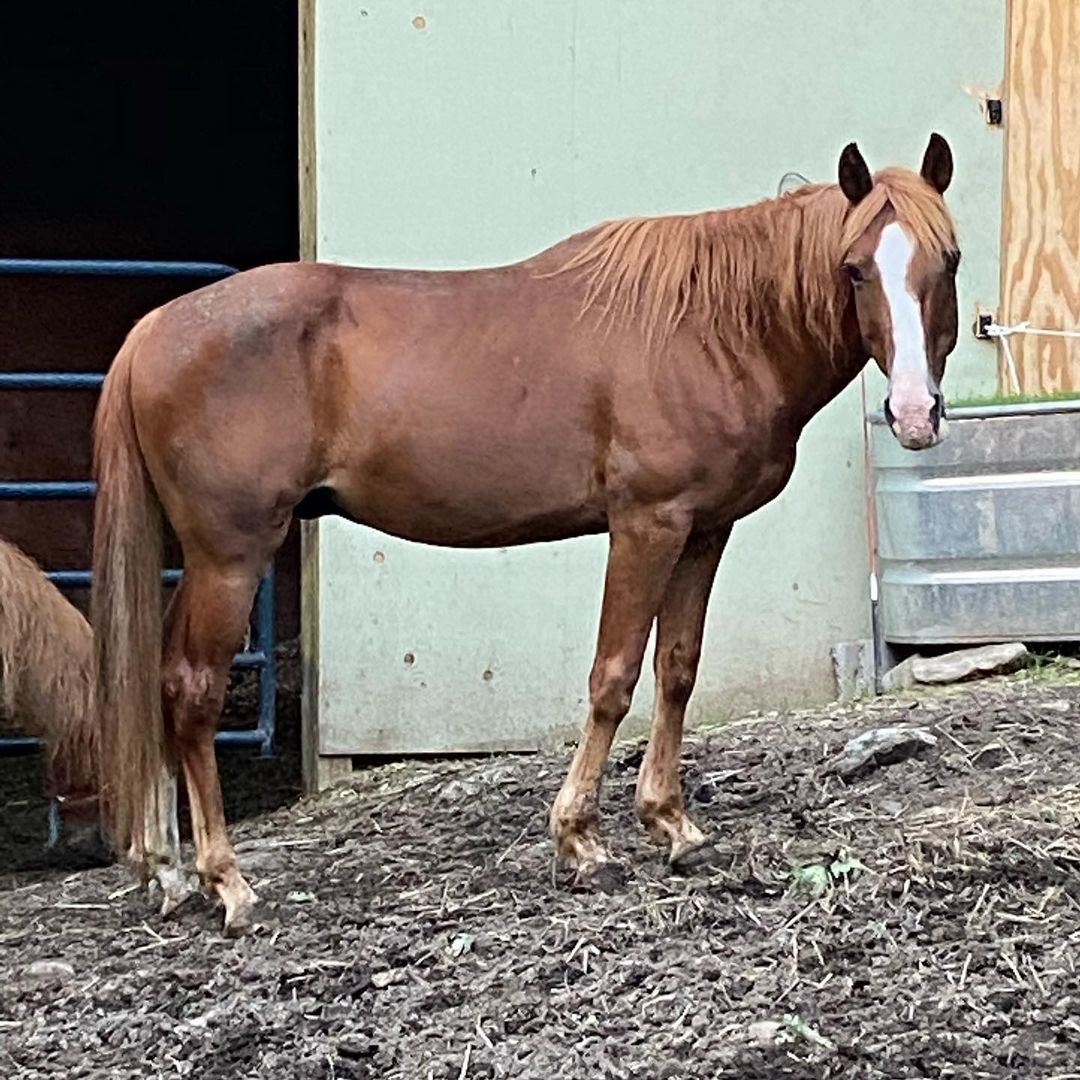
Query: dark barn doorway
pixel 164 132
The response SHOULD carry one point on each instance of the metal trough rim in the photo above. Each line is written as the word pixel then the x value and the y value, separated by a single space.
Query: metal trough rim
pixel 989 412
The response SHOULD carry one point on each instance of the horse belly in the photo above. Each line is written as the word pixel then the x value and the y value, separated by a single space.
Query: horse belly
pixel 453 482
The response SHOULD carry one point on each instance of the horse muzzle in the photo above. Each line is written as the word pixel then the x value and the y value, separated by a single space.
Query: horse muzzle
pixel 917 425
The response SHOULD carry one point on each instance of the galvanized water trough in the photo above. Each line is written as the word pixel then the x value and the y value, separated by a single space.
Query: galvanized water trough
pixel 979 537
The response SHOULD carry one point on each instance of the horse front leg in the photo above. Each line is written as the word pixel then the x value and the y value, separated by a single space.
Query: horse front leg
pixel 679 630
pixel 645 545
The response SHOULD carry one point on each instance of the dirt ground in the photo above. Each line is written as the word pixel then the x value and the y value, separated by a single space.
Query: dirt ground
pixel 921 920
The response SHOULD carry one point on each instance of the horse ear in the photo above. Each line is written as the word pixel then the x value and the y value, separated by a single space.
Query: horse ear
pixel 937 164
pixel 855 178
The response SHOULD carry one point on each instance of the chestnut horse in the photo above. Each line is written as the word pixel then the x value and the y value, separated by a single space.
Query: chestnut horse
pixel 47 669
pixel 648 378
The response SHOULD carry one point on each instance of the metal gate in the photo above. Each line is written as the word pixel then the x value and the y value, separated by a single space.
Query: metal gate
pixel 260 654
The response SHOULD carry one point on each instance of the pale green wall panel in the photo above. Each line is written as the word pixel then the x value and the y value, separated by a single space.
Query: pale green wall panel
pixel 500 127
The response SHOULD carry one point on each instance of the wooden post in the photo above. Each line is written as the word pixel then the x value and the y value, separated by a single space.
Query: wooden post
pixel 1040 248
pixel 314 771
pixel 308 241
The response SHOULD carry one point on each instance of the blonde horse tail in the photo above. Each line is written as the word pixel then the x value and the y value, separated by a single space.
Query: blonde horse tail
pixel 126 608
pixel 47 665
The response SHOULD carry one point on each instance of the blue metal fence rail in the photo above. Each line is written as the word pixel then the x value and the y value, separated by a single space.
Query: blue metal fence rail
pixel 261 654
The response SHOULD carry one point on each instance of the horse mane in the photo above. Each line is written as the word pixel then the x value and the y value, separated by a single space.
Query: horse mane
pixel 46 665
pixel 774 263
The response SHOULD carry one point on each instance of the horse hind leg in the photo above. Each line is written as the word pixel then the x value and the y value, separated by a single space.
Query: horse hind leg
pixel 207 627
pixel 156 849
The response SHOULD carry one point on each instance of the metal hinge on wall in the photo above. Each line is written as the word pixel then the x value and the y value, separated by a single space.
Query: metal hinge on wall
pixel 994 111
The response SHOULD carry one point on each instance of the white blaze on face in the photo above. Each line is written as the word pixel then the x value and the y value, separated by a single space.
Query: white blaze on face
pixel 910 397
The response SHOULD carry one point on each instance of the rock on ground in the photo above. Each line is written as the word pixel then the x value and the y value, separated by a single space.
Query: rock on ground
pixel 956 666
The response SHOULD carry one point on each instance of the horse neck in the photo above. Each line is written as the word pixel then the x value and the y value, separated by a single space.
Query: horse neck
pixel 813 363
pixel 811 375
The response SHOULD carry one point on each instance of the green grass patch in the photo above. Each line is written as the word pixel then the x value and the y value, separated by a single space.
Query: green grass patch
pixel 1050 667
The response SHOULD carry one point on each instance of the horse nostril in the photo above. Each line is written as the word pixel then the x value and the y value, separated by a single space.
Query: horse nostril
pixel 890 420
pixel 937 411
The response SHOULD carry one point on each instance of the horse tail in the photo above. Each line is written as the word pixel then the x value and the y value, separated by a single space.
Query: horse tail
pixel 47 665
pixel 126 605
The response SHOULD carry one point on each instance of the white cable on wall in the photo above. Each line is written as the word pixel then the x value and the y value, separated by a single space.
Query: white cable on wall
pixel 1003 333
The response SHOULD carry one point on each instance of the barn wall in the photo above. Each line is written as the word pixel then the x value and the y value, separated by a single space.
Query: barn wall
pixel 452 135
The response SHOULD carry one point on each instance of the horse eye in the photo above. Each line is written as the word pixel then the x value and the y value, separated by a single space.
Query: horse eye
pixel 853 272
pixel 952 261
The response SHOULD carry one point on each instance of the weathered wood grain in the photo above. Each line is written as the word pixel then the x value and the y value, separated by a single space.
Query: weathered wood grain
pixel 1040 263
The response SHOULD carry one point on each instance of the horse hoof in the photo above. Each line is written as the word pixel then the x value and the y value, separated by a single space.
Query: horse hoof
pixel 701 856
pixel 238 922
pixel 607 877
pixel 239 901
pixel 178 887
pixel 237 926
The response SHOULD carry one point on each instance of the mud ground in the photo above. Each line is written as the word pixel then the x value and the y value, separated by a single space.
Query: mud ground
pixel 921 920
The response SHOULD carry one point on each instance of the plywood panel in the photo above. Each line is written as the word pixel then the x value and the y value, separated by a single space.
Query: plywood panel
pixel 1041 216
